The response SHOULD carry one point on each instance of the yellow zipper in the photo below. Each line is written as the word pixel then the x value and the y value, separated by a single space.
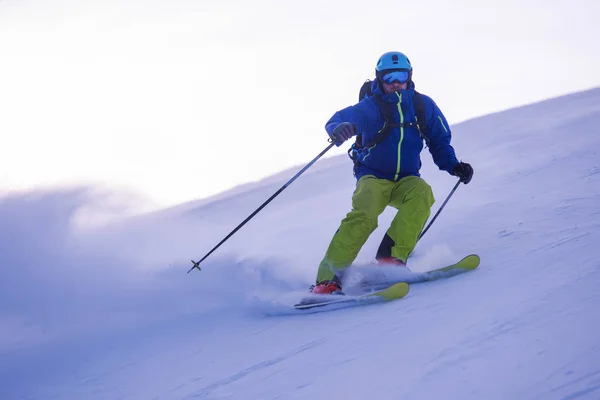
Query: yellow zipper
pixel 401 133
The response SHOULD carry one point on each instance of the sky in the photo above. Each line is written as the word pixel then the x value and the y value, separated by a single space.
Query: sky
pixel 109 312
pixel 171 101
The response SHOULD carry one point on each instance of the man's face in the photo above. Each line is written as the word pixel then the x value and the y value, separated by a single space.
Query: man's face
pixel 394 87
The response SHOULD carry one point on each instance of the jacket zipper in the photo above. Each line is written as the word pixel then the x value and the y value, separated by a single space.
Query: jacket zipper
pixel 401 133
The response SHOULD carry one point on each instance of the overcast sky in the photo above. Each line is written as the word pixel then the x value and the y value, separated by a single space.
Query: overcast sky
pixel 178 100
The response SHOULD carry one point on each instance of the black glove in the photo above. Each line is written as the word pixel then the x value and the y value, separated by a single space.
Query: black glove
pixel 464 171
pixel 343 132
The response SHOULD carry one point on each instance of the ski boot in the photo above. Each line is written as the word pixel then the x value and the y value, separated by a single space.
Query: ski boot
pixel 392 261
pixel 327 287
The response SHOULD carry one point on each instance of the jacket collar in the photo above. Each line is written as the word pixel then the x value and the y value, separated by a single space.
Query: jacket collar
pixel 392 97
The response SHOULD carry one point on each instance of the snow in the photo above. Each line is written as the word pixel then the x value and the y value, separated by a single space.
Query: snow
pixel 109 312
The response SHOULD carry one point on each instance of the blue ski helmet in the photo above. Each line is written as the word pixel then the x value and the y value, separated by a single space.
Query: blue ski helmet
pixel 393 61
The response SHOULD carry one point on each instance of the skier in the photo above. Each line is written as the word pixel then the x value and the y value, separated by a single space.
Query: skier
pixel 387 160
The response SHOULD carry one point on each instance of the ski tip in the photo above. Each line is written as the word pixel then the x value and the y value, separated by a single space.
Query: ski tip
pixel 476 259
pixel 396 291
pixel 471 261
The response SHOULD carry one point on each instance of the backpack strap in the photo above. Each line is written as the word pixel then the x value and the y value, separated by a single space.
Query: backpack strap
pixel 388 113
pixel 419 104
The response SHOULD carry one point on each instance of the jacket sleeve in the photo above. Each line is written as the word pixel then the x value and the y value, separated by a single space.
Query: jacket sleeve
pixel 358 114
pixel 439 135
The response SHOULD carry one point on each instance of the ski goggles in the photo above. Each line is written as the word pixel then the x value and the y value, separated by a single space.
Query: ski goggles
pixel 395 76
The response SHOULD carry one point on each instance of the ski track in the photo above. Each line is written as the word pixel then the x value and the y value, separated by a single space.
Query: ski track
pixel 204 392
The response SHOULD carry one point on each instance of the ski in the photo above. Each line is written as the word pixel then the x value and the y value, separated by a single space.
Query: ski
pixel 374 277
pixel 467 264
pixel 388 288
pixel 392 292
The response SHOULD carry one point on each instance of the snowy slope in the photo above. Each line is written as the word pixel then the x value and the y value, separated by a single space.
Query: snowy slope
pixel 111 314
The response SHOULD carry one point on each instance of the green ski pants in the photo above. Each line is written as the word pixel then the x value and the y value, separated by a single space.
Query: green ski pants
pixel 411 196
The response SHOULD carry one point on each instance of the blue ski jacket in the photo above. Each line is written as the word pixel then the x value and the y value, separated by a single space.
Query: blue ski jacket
pixel 398 155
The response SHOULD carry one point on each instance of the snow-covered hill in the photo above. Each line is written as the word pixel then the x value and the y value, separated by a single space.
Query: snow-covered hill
pixel 109 313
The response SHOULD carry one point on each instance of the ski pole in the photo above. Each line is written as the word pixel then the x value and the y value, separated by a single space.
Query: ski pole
pixel 197 263
pixel 439 211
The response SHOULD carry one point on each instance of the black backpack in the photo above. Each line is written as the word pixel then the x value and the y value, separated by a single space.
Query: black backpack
pixel 387 110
